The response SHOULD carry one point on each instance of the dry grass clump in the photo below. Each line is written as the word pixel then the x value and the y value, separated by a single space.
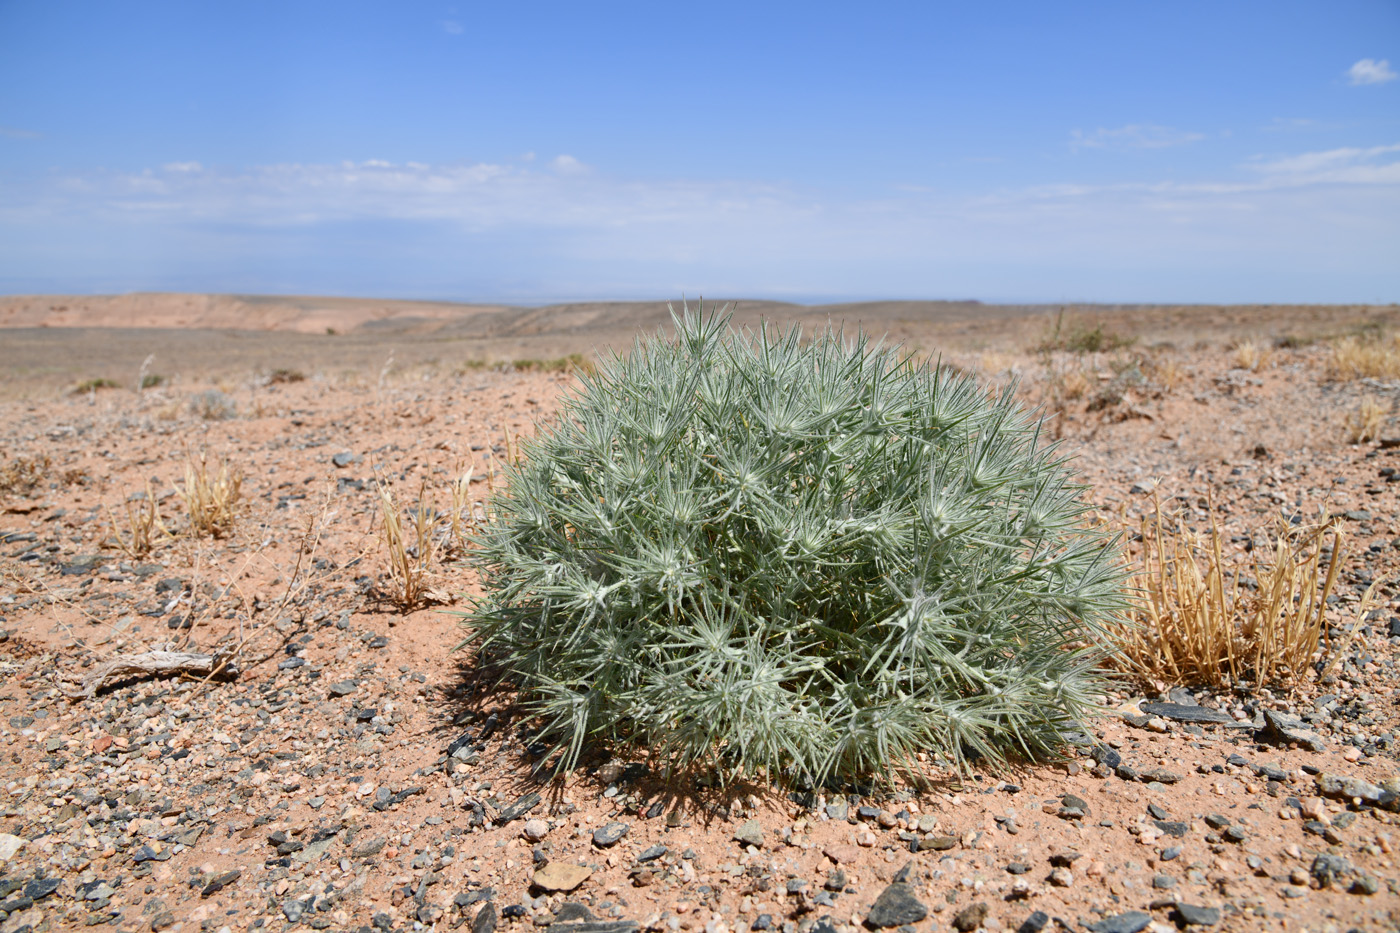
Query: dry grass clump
pixel 213 405
pixel 143 522
pixel 409 545
pixel 1365 357
pixel 1198 618
pixel 1251 356
pixel 1365 423
pixel 1074 335
pixel 22 475
pixel 92 385
pixel 211 496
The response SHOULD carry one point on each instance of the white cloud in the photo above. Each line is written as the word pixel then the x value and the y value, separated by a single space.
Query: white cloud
pixel 452 27
pixel 1332 166
pixel 1370 71
pixel 568 165
pixel 1133 136
pixel 183 167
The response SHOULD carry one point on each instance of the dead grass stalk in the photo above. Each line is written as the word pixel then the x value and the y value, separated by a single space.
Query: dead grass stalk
pixel 210 495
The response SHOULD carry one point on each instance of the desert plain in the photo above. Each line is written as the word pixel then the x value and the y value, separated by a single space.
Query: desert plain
pixel 344 769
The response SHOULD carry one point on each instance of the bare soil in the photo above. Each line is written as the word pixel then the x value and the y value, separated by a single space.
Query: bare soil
pixel 321 774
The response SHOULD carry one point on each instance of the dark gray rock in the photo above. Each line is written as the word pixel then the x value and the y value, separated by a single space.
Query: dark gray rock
pixel 1284 729
pixel 1191 915
pixel 609 834
pixel 573 911
pixel 344 459
pixel 1327 869
pixel 1181 713
pixel 343 688
pixel 1131 921
pixel 597 926
pixel 485 919
pixel 895 907
pixel 518 809
pixel 295 908
pixel 219 882
pixel 651 853
pixel 1034 923
pixel 41 888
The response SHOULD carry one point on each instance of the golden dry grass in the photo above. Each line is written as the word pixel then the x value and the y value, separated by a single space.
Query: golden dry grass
pixel 1366 421
pixel 22 475
pixel 143 523
pixel 210 495
pixel 1251 356
pixel 1365 358
pixel 410 561
pixel 1196 621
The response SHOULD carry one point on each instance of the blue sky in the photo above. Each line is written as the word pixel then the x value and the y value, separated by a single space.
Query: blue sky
pixel 528 152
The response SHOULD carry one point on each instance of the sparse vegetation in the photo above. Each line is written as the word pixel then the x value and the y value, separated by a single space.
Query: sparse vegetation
pixel 22 475
pixel 574 362
pixel 152 380
pixel 92 385
pixel 410 561
pixel 284 376
pixel 766 555
pixel 1366 422
pixel 143 522
pixel 1365 356
pixel 210 495
pixel 1074 335
pixel 1250 356
pixel 1202 617
pixel 213 405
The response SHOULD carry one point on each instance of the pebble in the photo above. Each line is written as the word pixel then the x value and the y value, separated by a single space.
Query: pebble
pixel 535 830
pixel 610 834
pixel 750 834
pixel 896 906
pixel 561 876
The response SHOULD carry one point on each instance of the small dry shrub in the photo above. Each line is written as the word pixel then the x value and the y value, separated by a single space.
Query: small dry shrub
pixel 284 376
pixel 1365 357
pixel 211 495
pixel 213 405
pixel 1074 335
pixel 143 522
pixel 92 385
pixel 22 475
pixel 410 561
pixel 1199 619
pixel 1165 373
pixel 1365 423
pixel 1251 356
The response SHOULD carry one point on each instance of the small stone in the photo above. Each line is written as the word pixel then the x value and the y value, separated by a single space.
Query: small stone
pixel 343 688
pixel 485 919
pixel 652 853
pixel 609 834
pixel 41 888
pixel 1194 714
pixel 1161 776
pixel 838 811
pixel 162 921
pixel 1365 885
pixel 573 911
pixel 535 830
pixel 518 809
pixel 1174 828
pixel 219 882
pixel 1131 921
pixel 1018 868
pixel 1163 882
pixel 344 459
pixel 1327 868
pixel 1192 915
pixel 10 846
pixel 750 834
pixel 843 852
pixel 1062 878
pixel 561 876
pixel 970 918
pixel 1034 923
pixel 939 843
pixel 895 907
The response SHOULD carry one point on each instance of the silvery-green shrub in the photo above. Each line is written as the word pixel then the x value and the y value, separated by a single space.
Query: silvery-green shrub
pixel 753 552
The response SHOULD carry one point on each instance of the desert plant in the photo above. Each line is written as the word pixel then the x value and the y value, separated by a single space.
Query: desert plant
pixel 22 475
pixel 1365 423
pixel 1250 356
pixel 143 521
pixel 462 511
pixel 92 385
pixel 1074 335
pixel 1200 618
pixel 210 496
pixel 213 405
pixel 751 552
pixel 1365 356
pixel 409 561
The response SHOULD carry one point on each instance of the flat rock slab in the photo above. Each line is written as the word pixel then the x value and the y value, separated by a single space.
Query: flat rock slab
pixel 1181 713
pixel 561 876
pixel 518 809
pixel 609 834
pixel 1132 921
pixel 1192 915
pixel 895 907
pixel 842 853
pixel 1281 728
pixel 750 834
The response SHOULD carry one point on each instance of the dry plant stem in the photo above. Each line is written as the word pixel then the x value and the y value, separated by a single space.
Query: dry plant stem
pixel 143 520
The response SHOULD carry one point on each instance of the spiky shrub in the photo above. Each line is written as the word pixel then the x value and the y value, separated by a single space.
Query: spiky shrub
pixel 752 552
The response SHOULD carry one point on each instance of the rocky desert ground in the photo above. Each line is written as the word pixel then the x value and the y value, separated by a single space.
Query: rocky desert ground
pixel 335 765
